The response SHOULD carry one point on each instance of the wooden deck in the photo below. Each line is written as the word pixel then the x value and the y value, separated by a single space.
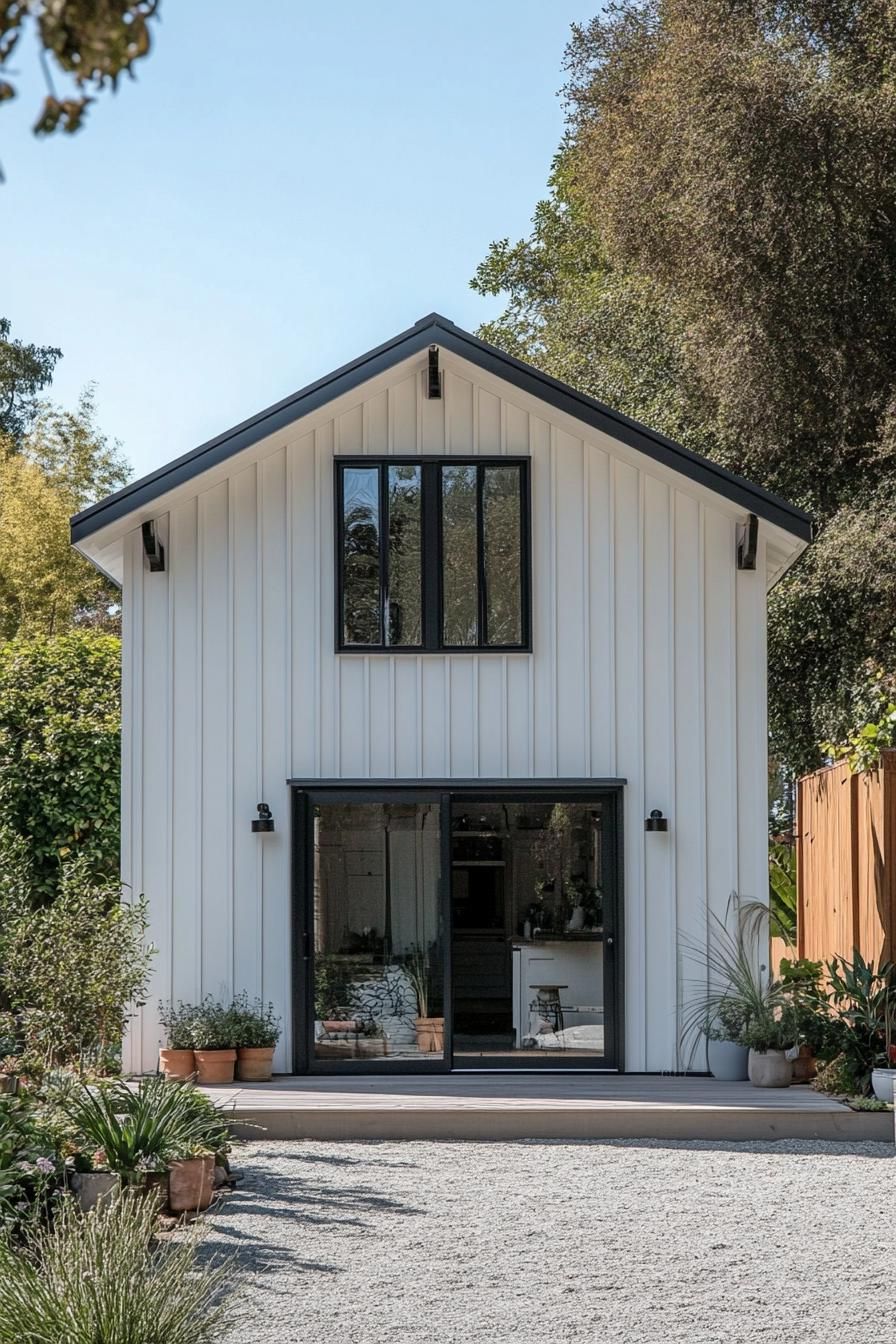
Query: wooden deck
pixel 545 1106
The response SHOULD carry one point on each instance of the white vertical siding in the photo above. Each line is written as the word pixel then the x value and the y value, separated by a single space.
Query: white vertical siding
pixel 648 664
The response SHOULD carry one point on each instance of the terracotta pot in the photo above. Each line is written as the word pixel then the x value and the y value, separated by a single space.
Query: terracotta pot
pixel 214 1066
pixel 177 1063
pixel 255 1063
pixel 191 1184
pixel 430 1034
pixel 769 1068
pixel 152 1186
pixel 336 1025
pixel 804 1067
pixel 92 1186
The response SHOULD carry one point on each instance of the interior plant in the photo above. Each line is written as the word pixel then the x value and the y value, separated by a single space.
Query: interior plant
pixel 430 1030
pixel 176 1058
pixel 256 1033
pixel 102 1277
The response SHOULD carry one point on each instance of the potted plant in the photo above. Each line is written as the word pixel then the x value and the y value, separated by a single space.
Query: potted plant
pixel 430 1030
pixel 90 1177
pixel 176 1059
pixel 257 1032
pixel 214 1035
pixel 770 1039
pixel 801 980
pixel 726 1055
pixel 191 1182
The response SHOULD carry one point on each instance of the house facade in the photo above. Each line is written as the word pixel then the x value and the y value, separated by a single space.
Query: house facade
pixel 444 715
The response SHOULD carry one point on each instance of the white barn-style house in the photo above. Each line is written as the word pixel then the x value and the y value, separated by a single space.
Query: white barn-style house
pixel 444 714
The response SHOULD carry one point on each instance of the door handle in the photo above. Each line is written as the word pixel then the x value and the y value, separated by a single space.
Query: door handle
pixel 609 941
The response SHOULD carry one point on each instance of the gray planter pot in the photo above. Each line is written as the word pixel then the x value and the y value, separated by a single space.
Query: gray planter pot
pixel 727 1061
pixel 92 1186
pixel 769 1068
pixel 882 1081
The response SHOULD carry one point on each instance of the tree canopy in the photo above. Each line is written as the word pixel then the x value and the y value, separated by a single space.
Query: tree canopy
pixel 25 370
pixel 717 257
pixel 90 42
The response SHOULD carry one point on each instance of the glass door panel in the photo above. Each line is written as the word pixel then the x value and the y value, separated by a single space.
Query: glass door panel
pixel 528 893
pixel 377 947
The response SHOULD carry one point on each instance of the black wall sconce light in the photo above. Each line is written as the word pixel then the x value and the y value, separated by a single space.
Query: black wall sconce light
pixel 264 821
pixel 656 821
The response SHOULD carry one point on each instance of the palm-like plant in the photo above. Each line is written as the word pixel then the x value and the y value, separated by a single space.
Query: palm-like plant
pixel 146 1127
pixel 732 983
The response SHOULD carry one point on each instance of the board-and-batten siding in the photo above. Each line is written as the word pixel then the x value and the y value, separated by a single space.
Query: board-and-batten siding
pixel 648 664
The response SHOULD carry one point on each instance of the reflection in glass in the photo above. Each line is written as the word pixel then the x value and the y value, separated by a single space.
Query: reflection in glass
pixel 460 623
pixel 404 599
pixel 361 556
pixel 503 548
pixel 378 977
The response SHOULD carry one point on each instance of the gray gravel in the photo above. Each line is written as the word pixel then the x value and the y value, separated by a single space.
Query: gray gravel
pixel 361 1243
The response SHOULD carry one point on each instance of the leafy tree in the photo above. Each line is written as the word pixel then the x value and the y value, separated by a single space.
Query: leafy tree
pixel 25 370
pixel 64 462
pixel 717 257
pixel 92 42
pixel 59 751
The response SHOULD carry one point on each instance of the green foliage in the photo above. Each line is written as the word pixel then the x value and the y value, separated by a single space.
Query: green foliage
pixel 863 746
pixel 59 751
pixel 838 1078
pixel 868 1104
pixel 716 257
pixel 861 1001
pixel 25 370
pixel 71 969
pixel 30 1169
pixel 782 889
pixel 208 1025
pixel 257 1026
pixel 62 464
pixel 768 1032
pixel 92 44
pixel 100 1279
pixel 144 1128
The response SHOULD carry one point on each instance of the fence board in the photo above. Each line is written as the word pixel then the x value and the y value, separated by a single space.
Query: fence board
pixel 846 862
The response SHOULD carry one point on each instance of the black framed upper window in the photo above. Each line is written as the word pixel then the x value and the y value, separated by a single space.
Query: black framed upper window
pixel 432 554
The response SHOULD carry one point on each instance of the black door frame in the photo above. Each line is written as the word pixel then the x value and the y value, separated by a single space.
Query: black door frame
pixel 305 794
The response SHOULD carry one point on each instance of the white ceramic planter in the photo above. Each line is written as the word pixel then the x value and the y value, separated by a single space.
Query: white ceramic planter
pixel 769 1068
pixel 882 1081
pixel 727 1061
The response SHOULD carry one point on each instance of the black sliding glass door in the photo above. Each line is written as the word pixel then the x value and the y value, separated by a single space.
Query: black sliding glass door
pixel 447 927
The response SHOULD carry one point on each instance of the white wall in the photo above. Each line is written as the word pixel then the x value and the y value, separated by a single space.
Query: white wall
pixel 649 664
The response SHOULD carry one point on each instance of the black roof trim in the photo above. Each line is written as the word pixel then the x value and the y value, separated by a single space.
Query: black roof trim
pixel 434 329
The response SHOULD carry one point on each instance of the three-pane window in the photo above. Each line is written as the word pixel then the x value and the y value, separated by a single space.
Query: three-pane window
pixel 433 554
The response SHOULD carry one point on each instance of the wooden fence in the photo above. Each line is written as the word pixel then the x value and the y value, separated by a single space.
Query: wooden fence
pixel 846 862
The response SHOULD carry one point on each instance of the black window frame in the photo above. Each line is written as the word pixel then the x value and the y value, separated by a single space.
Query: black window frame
pixel 431 552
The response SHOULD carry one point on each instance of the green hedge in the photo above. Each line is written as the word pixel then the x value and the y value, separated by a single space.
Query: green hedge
pixel 60 734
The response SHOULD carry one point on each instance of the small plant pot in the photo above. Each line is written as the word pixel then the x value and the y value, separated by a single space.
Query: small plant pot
pixel 214 1066
pixel 882 1081
pixel 177 1063
pixel 9 1084
pixel 152 1186
pixel 727 1061
pixel 804 1066
pixel 255 1064
pixel 769 1068
pixel 430 1034
pixel 93 1186
pixel 191 1184
pixel 334 1026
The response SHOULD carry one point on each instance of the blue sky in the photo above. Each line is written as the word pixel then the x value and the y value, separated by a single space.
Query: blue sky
pixel 267 201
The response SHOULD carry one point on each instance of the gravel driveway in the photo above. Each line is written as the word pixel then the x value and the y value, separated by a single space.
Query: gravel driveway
pixel 362 1243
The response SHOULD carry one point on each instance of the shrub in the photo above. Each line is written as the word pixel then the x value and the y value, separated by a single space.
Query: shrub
pixel 838 1078
pixel 71 969
pixel 30 1168
pixel 98 1279
pixel 60 719
pixel 144 1128
pixel 256 1026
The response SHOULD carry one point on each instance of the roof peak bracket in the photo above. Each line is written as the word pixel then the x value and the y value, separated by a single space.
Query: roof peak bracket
pixel 433 375
pixel 747 536
pixel 153 548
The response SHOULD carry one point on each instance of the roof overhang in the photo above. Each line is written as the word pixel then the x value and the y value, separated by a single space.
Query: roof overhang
pixel 98 530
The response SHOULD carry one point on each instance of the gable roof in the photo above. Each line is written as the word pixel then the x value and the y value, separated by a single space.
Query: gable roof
pixel 437 330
